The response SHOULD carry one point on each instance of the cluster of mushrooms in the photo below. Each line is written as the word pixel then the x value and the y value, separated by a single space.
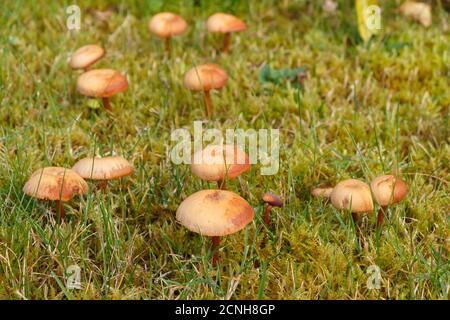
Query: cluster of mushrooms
pixel 356 196
pixel 212 213
pixel 60 184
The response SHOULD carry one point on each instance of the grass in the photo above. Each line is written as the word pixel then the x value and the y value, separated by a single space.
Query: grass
pixel 366 110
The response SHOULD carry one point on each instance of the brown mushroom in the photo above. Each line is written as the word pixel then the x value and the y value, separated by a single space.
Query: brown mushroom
pixel 387 190
pixel 55 184
pixel 322 192
pixel 205 78
pixel 353 195
pixel 103 169
pixel 86 56
pixel 272 200
pixel 102 83
pixel 226 24
pixel 166 25
pixel 220 162
pixel 214 213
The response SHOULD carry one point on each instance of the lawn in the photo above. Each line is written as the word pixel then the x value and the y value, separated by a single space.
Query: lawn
pixel 365 109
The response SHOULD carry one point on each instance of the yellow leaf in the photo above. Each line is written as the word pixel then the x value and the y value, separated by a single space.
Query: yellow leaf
pixel 369 18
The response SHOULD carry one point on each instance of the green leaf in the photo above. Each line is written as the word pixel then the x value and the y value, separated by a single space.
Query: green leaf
pixel 280 76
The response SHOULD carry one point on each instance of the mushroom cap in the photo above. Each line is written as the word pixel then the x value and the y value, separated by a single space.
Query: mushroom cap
pixel 272 199
pixel 388 189
pixel 419 11
pixel 205 77
pixel 86 56
pixel 101 83
pixel 106 168
pixel 217 162
pixel 354 192
pixel 167 24
pixel 214 212
pixel 224 23
pixel 55 183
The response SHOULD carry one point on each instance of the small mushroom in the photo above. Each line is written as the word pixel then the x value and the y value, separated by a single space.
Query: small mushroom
pixel 322 192
pixel 205 78
pixel 102 83
pixel 220 162
pixel 353 195
pixel 214 213
pixel 55 184
pixel 103 169
pixel 86 56
pixel 387 190
pixel 272 200
pixel 418 11
pixel 226 24
pixel 166 25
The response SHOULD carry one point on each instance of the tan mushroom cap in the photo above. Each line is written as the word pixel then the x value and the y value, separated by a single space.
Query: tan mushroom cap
pixel 214 212
pixel 86 56
pixel 106 168
pixel 101 83
pixel 55 183
pixel 167 24
pixel 205 77
pixel 388 189
pixel 217 162
pixel 225 23
pixel 272 199
pixel 354 192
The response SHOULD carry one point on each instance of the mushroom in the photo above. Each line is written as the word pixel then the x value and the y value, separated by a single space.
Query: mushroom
pixel 102 83
pixel 354 195
pixel 214 213
pixel 219 162
pixel 226 24
pixel 272 200
pixel 166 25
pixel 86 56
pixel 322 192
pixel 387 190
pixel 55 184
pixel 103 169
pixel 204 78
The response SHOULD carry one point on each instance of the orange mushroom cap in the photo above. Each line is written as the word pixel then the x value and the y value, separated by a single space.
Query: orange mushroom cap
pixel 86 56
pixel 214 212
pixel 217 162
pixel 205 77
pixel 101 83
pixel 352 192
pixel 388 189
pixel 272 199
pixel 167 24
pixel 55 183
pixel 225 23
pixel 106 168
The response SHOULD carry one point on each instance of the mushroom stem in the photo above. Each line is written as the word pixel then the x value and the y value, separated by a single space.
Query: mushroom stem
pixel 215 249
pixel 267 215
pixel 102 185
pixel 60 210
pixel 222 184
pixel 359 234
pixel 380 216
pixel 106 104
pixel 168 43
pixel 208 103
pixel 226 42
